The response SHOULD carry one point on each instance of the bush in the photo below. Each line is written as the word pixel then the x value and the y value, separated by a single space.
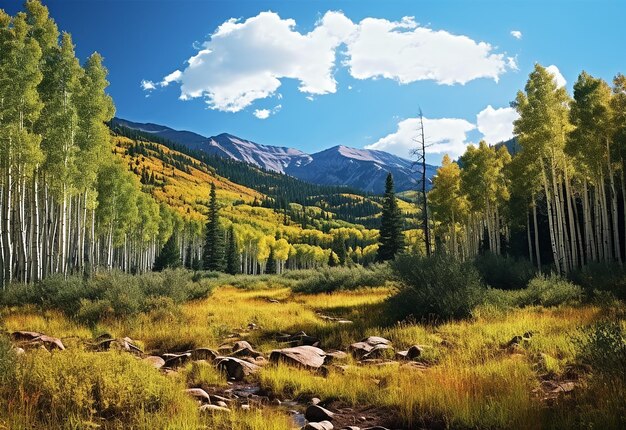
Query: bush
pixel 331 279
pixel 550 291
pixel 603 347
pixel 504 273
pixel 84 386
pixel 439 286
pixel 607 277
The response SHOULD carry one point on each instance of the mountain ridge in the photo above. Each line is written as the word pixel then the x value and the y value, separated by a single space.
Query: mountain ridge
pixel 362 169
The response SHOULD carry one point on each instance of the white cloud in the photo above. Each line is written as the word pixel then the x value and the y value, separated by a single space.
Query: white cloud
pixel 262 113
pixel 516 34
pixel 511 63
pixel 558 77
pixel 244 61
pixel 496 125
pixel 265 113
pixel 406 52
pixel 147 85
pixel 442 135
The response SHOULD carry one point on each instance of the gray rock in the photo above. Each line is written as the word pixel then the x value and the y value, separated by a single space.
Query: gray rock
pixel 203 354
pixel 199 394
pixel 316 413
pixel 214 409
pixel 155 361
pixel 303 356
pixel 411 354
pixel 236 368
pixel 322 425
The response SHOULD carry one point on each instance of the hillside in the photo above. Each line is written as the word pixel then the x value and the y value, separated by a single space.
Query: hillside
pixel 361 169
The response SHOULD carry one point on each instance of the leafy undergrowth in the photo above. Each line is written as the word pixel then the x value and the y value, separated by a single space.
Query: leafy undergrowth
pixel 472 378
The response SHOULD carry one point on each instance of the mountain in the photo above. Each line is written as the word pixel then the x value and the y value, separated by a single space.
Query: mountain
pixel 361 169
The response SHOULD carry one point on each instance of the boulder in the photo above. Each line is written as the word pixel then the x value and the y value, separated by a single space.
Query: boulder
pixel 125 344
pixel 215 398
pixel 203 354
pixel 316 414
pixel 304 356
pixel 322 425
pixel 199 394
pixel 335 356
pixel 176 360
pixel 360 349
pixel 214 409
pixel 379 351
pixel 411 354
pixel 243 349
pixel 155 361
pixel 24 336
pixel 34 338
pixel 50 342
pixel 236 368
pixel 298 339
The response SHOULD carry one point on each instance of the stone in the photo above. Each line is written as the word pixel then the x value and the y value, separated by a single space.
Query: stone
pixel 235 368
pixel 245 407
pixel 155 361
pixel 334 356
pixel 199 393
pixel 379 351
pixel 222 404
pixel 25 335
pixel 298 339
pixel 315 401
pixel 411 354
pixel 360 349
pixel 176 360
pixel 243 349
pixel 306 356
pixel 214 409
pixel 316 413
pixel 215 398
pixel 322 425
pixel 203 354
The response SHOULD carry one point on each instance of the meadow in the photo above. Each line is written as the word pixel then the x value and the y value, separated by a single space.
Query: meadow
pixel 541 357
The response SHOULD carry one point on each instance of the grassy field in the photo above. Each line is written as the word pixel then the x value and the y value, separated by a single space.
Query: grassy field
pixel 467 377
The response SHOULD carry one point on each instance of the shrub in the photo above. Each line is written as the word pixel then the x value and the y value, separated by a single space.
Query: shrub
pixel 331 279
pixel 609 277
pixel 439 286
pixel 504 273
pixel 85 386
pixel 549 291
pixel 603 347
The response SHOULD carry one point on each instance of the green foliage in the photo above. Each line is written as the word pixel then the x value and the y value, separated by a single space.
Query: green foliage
pixel 504 273
pixel 391 237
pixel 169 257
pixel 603 347
pixel 109 295
pixel 329 279
pixel 7 362
pixel 87 387
pixel 608 277
pixel 438 287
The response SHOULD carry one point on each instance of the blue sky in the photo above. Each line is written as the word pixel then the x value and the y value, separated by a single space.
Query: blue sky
pixel 355 76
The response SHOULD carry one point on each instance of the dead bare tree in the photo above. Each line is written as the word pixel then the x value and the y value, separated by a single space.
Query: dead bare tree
pixel 420 161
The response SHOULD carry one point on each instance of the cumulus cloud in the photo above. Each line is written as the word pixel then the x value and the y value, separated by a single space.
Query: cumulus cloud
pixel 442 135
pixel 516 34
pixel 496 125
pixel 244 61
pixel 265 113
pixel 147 85
pixel 406 52
pixel 558 77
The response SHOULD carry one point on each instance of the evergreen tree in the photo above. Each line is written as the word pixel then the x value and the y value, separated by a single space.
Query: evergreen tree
pixel 232 257
pixel 213 257
pixel 391 238
pixel 169 256
pixel 271 263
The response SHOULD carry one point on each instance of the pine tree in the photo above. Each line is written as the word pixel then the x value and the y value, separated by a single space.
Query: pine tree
pixel 169 256
pixel 213 257
pixel 271 263
pixel 232 256
pixel 391 237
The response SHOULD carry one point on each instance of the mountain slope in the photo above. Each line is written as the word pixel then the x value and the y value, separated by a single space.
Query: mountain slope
pixel 343 166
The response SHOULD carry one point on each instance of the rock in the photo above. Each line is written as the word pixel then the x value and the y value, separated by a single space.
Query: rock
pixel 252 326
pixel 24 335
pixel 215 398
pixel 199 393
pixel 50 342
pixel 175 360
pixel 360 349
pixel 245 407
pixel 19 351
pixel 125 344
pixel 316 413
pixel 379 351
pixel 236 368
pixel 222 404
pixel 273 301
pixel 351 428
pixel 276 402
pixel 322 425
pixel 315 401
pixel 203 354
pixel 298 339
pixel 243 349
pixel 334 356
pixel 564 387
pixel 213 409
pixel 516 340
pixel 376 428
pixel 303 356
pixel 155 361
pixel 411 354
